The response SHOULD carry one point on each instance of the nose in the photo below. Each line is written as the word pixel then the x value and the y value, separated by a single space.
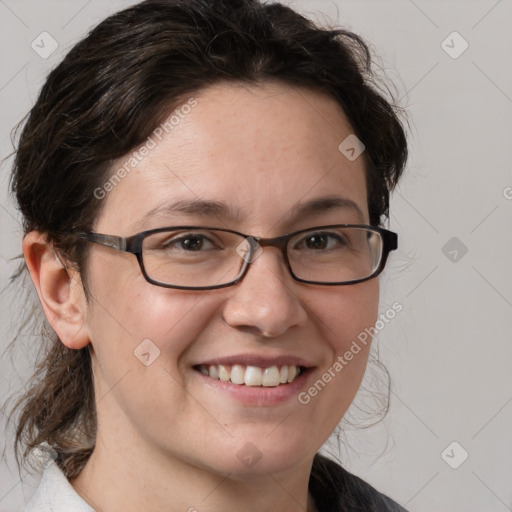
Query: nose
pixel 266 299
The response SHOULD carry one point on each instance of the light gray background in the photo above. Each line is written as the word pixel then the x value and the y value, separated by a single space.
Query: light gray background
pixel 449 352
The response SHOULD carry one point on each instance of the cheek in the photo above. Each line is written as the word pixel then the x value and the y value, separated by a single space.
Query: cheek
pixel 138 345
pixel 346 312
pixel 129 317
pixel 345 318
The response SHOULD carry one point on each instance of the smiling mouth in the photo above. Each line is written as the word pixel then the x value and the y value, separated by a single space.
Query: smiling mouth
pixel 243 375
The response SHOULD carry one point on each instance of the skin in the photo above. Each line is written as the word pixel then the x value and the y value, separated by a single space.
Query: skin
pixel 166 441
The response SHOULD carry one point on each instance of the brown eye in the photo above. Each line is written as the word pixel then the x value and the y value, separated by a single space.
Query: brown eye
pixel 321 241
pixel 190 243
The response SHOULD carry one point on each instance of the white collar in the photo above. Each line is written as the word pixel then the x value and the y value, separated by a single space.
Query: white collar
pixel 56 494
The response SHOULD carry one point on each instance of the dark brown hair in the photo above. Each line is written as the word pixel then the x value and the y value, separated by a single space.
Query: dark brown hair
pixel 108 95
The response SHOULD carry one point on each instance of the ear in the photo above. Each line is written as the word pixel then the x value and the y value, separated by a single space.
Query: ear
pixel 60 291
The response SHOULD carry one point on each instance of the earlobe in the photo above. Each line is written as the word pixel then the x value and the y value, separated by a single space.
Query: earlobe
pixel 59 289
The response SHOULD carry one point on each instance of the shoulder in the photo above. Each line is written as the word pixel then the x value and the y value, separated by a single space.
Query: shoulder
pixel 56 494
pixel 336 490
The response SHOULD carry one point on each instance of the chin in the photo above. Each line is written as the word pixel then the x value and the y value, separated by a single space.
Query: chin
pixel 246 459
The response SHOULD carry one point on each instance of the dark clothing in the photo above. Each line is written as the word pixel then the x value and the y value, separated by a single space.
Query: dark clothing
pixel 334 489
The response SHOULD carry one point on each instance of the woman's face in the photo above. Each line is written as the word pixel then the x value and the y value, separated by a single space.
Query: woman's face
pixel 264 152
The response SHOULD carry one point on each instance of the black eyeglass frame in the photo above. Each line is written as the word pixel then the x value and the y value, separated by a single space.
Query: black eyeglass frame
pixel 133 245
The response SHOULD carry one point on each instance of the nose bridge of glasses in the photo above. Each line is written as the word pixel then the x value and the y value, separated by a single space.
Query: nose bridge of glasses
pixel 257 244
pixel 278 241
pixel 252 248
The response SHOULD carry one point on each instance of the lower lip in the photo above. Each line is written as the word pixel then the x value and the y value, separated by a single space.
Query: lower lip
pixel 258 395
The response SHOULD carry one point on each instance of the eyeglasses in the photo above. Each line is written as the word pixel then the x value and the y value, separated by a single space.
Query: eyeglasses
pixel 206 258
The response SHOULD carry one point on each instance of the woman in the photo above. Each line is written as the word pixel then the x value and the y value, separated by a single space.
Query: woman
pixel 203 187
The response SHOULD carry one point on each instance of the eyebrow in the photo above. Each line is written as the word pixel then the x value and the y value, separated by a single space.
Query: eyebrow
pixel 324 204
pixel 221 209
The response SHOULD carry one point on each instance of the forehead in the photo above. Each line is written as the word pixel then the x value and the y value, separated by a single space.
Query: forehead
pixel 263 150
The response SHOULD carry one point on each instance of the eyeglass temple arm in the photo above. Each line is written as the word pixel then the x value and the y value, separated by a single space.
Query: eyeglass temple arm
pixel 392 240
pixel 115 242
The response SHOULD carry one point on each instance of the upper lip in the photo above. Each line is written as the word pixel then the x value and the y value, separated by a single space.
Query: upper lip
pixel 258 360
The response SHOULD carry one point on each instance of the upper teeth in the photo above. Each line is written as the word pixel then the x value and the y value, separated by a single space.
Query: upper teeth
pixel 251 375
